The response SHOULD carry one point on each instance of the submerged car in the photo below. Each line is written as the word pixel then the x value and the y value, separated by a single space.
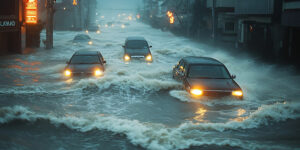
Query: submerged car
pixel 137 48
pixel 204 76
pixel 82 38
pixel 85 63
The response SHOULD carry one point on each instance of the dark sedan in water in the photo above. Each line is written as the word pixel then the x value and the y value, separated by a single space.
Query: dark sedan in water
pixel 82 38
pixel 85 63
pixel 137 48
pixel 204 76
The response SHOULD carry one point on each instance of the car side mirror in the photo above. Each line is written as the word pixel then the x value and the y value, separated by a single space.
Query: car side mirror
pixel 150 46
pixel 104 61
pixel 123 46
pixel 233 76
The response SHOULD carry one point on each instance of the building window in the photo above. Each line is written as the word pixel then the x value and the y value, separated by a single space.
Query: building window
pixel 229 27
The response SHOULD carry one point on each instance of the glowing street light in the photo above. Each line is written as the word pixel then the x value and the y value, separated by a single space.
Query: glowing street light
pixel 138 16
pixel 74 2
pixel 171 17
pixel 172 20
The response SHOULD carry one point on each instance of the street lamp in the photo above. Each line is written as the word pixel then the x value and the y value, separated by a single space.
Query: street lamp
pixel 74 2
pixel 171 17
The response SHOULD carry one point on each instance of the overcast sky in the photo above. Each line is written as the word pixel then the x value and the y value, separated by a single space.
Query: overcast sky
pixel 119 4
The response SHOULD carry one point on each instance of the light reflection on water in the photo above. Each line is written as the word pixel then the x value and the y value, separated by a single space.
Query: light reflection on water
pixel 200 114
pixel 25 69
pixel 240 115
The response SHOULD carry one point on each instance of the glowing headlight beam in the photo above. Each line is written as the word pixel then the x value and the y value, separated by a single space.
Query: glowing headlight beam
pixel 68 73
pixel 196 92
pixel 98 72
pixel 237 93
pixel 149 58
pixel 126 58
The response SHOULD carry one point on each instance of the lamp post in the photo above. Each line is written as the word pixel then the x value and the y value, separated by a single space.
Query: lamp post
pixel 214 20
pixel 49 24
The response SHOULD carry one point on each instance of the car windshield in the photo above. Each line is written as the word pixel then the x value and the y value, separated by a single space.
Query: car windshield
pixel 85 59
pixel 137 51
pixel 136 44
pixel 208 72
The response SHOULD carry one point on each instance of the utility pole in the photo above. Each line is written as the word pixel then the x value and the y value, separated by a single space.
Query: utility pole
pixel 49 24
pixel 214 20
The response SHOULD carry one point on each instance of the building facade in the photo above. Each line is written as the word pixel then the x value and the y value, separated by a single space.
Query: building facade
pixel 75 15
pixel 269 28
pixel 19 26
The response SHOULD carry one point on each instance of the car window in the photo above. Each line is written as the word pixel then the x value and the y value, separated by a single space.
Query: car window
pixel 85 59
pixel 208 71
pixel 138 51
pixel 136 44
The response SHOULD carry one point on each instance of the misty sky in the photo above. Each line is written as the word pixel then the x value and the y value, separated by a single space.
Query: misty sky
pixel 119 4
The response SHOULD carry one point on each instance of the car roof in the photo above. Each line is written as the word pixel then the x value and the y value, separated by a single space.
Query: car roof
pixel 86 52
pixel 82 36
pixel 135 38
pixel 201 60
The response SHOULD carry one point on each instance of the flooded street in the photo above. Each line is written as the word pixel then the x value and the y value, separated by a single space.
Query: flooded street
pixel 138 105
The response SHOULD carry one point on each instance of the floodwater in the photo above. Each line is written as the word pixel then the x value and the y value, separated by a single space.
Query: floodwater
pixel 138 106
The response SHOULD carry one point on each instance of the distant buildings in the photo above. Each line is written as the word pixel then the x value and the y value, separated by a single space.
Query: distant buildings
pixel 75 15
pixel 266 27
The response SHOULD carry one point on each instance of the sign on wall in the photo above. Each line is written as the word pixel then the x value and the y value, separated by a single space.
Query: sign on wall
pixel 31 11
pixel 8 23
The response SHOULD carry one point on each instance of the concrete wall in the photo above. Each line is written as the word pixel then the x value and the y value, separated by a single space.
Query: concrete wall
pixel 221 3
pixel 255 7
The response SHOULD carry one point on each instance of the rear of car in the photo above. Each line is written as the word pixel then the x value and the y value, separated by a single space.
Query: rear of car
pixel 137 48
pixel 82 38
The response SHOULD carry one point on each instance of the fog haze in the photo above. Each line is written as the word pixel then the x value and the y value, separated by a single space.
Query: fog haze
pixel 119 4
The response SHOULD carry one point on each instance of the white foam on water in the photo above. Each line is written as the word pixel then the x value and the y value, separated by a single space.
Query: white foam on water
pixel 160 137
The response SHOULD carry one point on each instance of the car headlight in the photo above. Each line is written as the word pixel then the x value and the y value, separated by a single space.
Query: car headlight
pixel 126 58
pixel 196 92
pixel 98 72
pixel 68 72
pixel 90 42
pixel 238 93
pixel 149 58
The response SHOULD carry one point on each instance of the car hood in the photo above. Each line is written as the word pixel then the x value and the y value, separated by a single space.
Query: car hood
pixel 137 52
pixel 86 68
pixel 214 84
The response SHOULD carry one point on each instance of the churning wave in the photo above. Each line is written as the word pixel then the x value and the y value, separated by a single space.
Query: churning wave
pixel 161 137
